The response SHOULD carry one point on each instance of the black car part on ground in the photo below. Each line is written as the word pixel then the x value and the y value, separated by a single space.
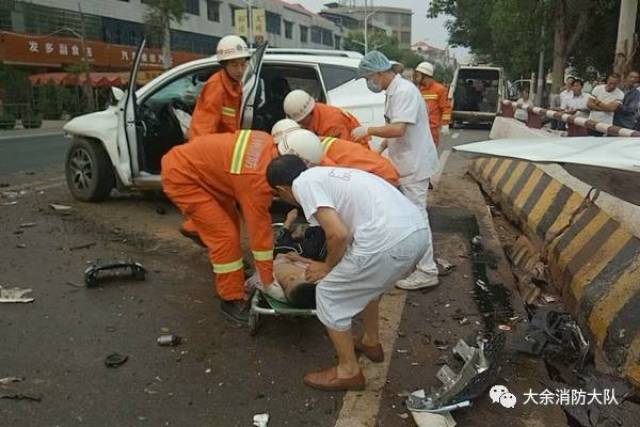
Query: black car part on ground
pixel 92 272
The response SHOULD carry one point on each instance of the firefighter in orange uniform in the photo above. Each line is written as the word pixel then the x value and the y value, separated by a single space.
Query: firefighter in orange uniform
pixel 331 151
pixel 218 107
pixel 436 96
pixel 206 179
pixel 319 118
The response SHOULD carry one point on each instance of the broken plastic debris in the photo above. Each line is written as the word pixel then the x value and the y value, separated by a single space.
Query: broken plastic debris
pixel 261 420
pixel 59 208
pixel 20 396
pixel 444 267
pixel 504 327
pixel 27 224
pixel 8 380
pixel 12 203
pixel 428 419
pixel 9 295
pixel 115 360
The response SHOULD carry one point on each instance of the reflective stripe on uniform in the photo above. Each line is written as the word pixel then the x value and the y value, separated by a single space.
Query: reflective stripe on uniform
pixel 446 117
pixel 229 267
pixel 238 151
pixel 228 111
pixel 430 96
pixel 327 143
pixel 263 255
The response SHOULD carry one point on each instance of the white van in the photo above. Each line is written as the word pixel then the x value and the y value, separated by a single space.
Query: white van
pixel 476 93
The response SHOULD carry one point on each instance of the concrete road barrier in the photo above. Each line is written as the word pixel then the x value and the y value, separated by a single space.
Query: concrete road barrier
pixel 593 258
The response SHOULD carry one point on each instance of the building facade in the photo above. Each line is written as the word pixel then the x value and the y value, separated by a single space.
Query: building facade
pixel 434 55
pixel 395 21
pixel 121 22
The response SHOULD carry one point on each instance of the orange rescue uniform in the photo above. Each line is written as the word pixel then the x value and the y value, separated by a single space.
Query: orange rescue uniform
pixel 218 107
pixel 327 120
pixel 339 152
pixel 205 179
pixel 437 98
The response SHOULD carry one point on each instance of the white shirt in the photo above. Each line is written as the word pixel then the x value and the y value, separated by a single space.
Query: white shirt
pixel 414 155
pixel 376 213
pixel 576 103
pixel 601 94
pixel 564 96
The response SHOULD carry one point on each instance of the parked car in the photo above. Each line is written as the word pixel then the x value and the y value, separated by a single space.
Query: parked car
pixel 122 146
pixel 477 92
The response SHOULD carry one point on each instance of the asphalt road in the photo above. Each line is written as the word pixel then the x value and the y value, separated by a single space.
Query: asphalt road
pixel 32 154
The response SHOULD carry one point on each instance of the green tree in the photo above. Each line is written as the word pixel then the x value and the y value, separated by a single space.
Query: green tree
pixel 380 41
pixel 578 33
pixel 158 18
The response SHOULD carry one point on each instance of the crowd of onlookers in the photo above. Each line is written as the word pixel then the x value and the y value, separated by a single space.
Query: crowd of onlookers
pixel 610 101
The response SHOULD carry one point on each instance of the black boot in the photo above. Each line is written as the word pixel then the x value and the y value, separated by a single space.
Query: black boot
pixel 237 311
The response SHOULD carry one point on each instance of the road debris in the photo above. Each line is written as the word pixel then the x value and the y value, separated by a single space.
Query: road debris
pixel 445 268
pixel 115 360
pixel 59 208
pixel 20 396
pixel 83 246
pixel 12 203
pixel 91 273
pixel 261 420
pixel 169 340
pixel 161 210
pixel 9 380
pixel 28 224
pixel 15 295
pixel 21 245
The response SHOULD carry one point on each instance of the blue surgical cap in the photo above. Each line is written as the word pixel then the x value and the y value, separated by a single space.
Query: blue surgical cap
pixel 373 62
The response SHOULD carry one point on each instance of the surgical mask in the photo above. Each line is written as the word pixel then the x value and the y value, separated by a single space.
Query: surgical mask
pixel 374 86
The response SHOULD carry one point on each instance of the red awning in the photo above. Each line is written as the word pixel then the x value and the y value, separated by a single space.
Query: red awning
pixel 71 79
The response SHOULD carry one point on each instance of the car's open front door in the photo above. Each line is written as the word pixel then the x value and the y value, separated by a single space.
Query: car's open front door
pixel 132 126
pixel 250 87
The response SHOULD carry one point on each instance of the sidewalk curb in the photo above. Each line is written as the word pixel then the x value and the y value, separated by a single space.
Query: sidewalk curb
pixel 593 258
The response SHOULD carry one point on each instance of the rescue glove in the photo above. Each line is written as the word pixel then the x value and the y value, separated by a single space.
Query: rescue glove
pixel 359 133
pixel 275 291
pixel 444 130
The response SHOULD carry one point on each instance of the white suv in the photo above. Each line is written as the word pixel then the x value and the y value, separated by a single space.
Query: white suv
pixel 122 145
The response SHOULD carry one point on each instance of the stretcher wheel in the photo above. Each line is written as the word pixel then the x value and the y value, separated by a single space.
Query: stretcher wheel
pixel 254 319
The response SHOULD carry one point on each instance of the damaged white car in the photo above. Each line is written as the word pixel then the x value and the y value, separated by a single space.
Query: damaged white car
pixel 122 145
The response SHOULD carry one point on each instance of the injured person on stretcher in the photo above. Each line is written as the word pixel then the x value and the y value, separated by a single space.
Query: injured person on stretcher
pixel 296 247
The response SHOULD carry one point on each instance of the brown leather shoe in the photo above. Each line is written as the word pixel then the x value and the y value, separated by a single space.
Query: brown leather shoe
pixel 373 353
pixel 193 235
pixel 328 381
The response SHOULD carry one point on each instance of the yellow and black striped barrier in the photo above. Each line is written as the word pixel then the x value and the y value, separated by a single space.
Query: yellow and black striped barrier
pixel 592 258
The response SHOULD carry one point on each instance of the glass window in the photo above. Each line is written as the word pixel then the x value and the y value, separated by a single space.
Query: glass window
pixel 185 88
pixel 273 23
pixel 338 42
pixel 405 37
pixel 192 7
pixel 316 35
pixel 213 10
pixel 334 75
pixel 288 29
pixel 406 20
pixel 304 34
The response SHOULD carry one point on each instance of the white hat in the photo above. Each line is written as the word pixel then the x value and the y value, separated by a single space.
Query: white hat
pixel 298 104
pixel 303 143
pixel 425 68
pixel 232 47
pixel 282 127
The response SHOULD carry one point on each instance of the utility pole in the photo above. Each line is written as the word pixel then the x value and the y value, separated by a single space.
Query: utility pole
pixel 626 31
pixel 85 61
pixel 250 23
pixel 541 73
pixel 366 28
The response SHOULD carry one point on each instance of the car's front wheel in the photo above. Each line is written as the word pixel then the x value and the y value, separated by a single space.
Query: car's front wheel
pixel 89 171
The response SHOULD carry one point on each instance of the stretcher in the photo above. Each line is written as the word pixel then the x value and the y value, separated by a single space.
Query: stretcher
pixel 264 305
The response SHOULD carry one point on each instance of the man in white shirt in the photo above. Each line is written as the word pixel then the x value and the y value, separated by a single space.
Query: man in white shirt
pixel 374 237
pixel 411 148
pixel 567 92
pixel 605 100
pixel 577 104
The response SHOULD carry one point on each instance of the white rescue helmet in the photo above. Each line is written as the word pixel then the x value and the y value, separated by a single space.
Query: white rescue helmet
pixel 232 47
pixel 425 68
pixel 303 143
pixel 282 127
pixel 298 104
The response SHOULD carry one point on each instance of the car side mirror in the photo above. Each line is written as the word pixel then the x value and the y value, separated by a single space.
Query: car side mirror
pixel 117 93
